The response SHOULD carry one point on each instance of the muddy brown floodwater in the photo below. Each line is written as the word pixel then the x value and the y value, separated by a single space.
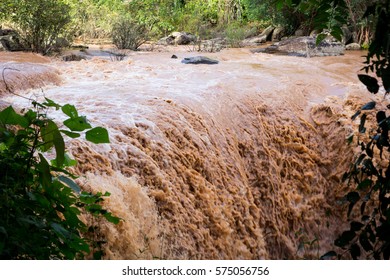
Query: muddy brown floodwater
pixel 240 160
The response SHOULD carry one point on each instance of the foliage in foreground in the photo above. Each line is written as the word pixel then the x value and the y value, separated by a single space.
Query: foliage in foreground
pixel 369 203
pixel 40 203
pixel 368 214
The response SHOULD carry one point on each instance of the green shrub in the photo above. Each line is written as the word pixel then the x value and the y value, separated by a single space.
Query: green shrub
pixel 39 22
pixel 128 34
pixel 234 34
pixel 40 203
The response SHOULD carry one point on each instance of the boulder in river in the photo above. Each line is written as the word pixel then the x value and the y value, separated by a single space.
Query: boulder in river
pixel 265 36
pixel 178 38
pixel 353 47
pixel 304 46
pixel 199 60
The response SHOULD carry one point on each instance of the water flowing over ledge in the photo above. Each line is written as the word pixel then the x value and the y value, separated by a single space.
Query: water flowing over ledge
pixel 240 160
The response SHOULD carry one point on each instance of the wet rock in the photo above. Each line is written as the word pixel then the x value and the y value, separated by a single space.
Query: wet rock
pixel 73 57
pixel 199 60
pixel 299 33
pixel 10 41
pixel 278 33
pixel 347 35
pixel 268 32
pixel 304 46
pixel 254 41
pixel 353 47
pixel 5 32
pixel 178 38
pixel 213 45
pixel 265 36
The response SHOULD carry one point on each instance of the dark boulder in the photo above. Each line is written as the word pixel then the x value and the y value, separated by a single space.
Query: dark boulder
pixel 199 60
pixel 10 40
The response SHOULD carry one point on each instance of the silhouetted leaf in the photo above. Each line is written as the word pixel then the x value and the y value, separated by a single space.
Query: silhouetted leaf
pixel 363 240
pixel 355 251
pixel 345 238
pixel 353 197
pixel 385 75
pixel 329 256
pixel 356 115
pixel 369 106
pixel 356 226
pixel 370 10
pixel 362 129
pixel 380 117
pixel 370 82
pixel 350 138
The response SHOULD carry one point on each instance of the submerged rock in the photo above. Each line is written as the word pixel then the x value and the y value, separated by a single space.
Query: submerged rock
pixel 199 60
pixel 304 46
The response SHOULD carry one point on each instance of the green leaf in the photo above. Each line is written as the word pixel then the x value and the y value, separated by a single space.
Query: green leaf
pixel 8 116
pixel 320 37
pixel 51 103
pixel 45 175
pixel 70 111
pixel 59 146
pixel 97 135
pixel 77 124
pixel 111 218
pixel 52 137
pixel 370 82
pixel 337 33
pixel 61 231
pixel 47 135
pixel 70 183
pixel 70 134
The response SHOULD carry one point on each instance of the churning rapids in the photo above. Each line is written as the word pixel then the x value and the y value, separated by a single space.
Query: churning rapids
pixel 240 160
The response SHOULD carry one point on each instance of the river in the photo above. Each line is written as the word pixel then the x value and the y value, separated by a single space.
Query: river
pixel 239 160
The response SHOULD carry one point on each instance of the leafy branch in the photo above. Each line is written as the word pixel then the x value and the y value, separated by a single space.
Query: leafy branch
pixel 40 202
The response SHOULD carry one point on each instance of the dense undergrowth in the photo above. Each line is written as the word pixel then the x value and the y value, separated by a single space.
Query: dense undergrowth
pixel 41 206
